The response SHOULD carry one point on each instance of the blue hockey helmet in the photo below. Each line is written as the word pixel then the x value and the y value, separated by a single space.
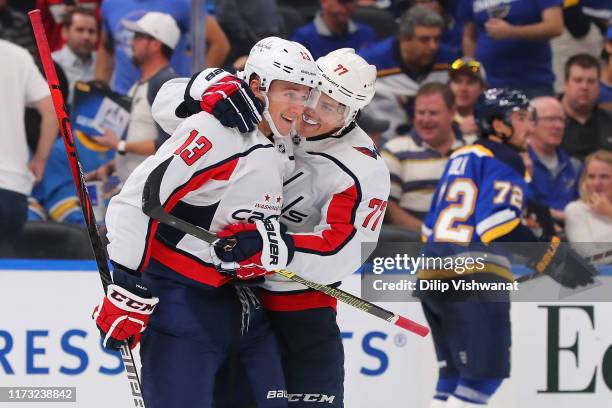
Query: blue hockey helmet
pixel 499 103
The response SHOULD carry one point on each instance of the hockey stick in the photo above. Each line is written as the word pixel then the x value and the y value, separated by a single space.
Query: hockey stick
pixel 152 206
pixel 535 275
pixel 77 176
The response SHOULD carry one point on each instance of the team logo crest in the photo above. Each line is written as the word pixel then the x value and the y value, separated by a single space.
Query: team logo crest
pixel 368 151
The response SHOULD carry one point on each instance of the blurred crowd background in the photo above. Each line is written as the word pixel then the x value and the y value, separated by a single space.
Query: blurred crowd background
pixel 434 60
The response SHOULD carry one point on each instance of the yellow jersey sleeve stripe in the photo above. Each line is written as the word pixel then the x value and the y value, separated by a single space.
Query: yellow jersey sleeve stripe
pixel 59 211
pixel 476 149
pixel 499 231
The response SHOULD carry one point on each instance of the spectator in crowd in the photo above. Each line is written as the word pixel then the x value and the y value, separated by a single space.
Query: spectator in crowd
pixel 554 173
pixel 589 219
pixel 468 82
pixel 21 84
pixel 416 161
pixel 217 44
pixel 54 12
pixel 77 57
pixel 452 36
pixel 405 62
pixel 588 127
pixel 155 36
pixel 584 26
pixel 605 87
pixel 114 53
pixel 332 28
pixel 512 40
pixel 247 23
pixel 15 27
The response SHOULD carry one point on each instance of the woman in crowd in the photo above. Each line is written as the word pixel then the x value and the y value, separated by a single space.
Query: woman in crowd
pixel 589 219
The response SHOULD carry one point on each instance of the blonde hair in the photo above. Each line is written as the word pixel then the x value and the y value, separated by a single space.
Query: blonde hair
pixel 599 155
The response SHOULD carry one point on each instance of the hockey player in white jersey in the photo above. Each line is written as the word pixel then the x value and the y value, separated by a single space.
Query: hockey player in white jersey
pixel 334 201
pixel 170 281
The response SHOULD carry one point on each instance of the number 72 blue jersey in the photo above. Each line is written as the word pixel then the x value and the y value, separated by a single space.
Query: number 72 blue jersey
pixel 479 197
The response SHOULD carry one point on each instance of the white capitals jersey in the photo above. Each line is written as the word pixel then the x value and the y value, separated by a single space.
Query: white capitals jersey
pixel 216 177
pixel 334 200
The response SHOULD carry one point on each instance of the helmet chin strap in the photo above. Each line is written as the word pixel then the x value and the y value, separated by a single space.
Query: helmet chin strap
pixel 268 117
pixel 347 123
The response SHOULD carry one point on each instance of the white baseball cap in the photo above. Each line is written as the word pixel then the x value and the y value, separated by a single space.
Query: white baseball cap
pixel 160 26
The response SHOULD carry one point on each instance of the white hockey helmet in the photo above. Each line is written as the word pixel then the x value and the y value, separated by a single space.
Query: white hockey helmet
pixel 348 79
pixel 275 58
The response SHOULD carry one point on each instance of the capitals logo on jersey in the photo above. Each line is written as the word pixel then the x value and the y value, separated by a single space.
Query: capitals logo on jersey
pixel 370 151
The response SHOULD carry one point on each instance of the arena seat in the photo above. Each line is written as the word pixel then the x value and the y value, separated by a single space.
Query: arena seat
pixel 53 240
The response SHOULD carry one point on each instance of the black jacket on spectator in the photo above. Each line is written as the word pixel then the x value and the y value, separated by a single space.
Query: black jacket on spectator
pixel 580 140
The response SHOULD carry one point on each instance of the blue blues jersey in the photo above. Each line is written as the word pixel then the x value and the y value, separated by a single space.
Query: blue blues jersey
pixel 479 199
pixel 512 62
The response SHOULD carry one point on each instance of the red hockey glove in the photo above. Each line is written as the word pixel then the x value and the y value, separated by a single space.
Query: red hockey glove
pixel 225 96
pixel 124 313
pixel 260 248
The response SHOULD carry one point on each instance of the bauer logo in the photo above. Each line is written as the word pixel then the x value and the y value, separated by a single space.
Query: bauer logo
pixel 273 394
pixel 272 241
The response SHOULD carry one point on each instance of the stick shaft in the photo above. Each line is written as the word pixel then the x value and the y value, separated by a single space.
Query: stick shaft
pixel 79 183
pixel 152 206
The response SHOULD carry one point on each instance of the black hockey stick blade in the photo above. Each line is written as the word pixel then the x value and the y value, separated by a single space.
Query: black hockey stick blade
pixel 152 206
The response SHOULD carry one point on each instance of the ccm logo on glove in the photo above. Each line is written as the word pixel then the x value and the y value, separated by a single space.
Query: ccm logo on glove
pixel 135 305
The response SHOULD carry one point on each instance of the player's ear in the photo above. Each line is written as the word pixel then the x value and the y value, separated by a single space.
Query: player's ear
pixel 254 84
pixel 498 126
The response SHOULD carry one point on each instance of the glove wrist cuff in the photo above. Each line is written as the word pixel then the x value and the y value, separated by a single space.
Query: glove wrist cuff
pixel 132 283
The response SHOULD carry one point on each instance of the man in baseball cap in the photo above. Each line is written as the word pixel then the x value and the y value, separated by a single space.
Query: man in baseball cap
pixel 155 37
pixel 467 81
pixel 160 26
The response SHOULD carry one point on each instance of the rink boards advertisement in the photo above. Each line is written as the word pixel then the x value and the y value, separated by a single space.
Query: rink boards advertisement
pixel 561 351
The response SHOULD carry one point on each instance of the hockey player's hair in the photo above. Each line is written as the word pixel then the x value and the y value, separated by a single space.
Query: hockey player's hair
pixel 443 90
pixel 418 16
pixel 601 155
pixel 584 61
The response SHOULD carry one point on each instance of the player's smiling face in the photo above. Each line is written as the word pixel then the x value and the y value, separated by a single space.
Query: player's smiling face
pixel 285 103
pixel 324 115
